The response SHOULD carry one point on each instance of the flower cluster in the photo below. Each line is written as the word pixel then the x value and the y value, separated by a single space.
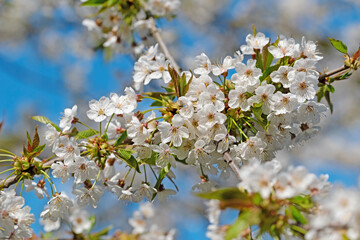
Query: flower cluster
pixel 15 219
pixel 116 24
pixel 338 215
pixel 267 179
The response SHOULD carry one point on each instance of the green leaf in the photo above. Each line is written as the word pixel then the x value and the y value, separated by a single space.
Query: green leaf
pixel 156 104
pixel 93 3
pixel 97 235
pixel 259 63
pixel 111 3
pixel 128 158
pixel 321 93
pixel 331 88
pixel 224 194
pixel 327 97
pixel 152 159
pixel 121 139
pixel 92 220
pixel 245 219
pixel 298 229
pixel 268 71
pixel 39 149
pixel 296 214
pixel 86 133
pixel 45 120
pixel 302 201
pixel 162 175
pixel 338 45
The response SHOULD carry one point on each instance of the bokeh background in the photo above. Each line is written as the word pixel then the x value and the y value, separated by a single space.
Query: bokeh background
pixel 48 63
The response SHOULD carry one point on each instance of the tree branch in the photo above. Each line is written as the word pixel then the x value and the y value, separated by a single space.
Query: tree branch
pixel 322 77
pixel 229 160
pixel 12 180
pixel 156 33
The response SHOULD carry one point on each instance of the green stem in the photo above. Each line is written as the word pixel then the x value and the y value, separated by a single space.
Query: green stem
pixel 49 180
pixel 88 127
pixel 239 128
pixel 153 172
pixel 22 187
pixel 7 160
pixel 100 129
pixel 6 170
pixel 132 180
pixel 7 179
pixel 107 126
pixel 155 99
pixel 8 152
pixel 97 177
pixel 18 182
pixel 5 155
pixel 145 174
pixel 149 110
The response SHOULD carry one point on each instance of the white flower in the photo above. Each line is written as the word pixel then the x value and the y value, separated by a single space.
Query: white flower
pixel 247 75
pixel 203 65
pixel 285 47
pixel 186 107
pixel 160 69
pixel 60 170
pixel 200 153
pixel 311 112
pixel 263 94
pixel 91 195
pixel 309 49
pixel 51 135
pixel 174 132
pixel 58 207
pixel 212 95
pixel 122 104
pixel 239 98
pixel 227 64
pixel 282 76
pixel 67 149
pixel 83 169
pixel 69 115
pixel 143 191
pixel 284 103
pixel 252 148
pixel 210 116
pixel 303 87
pixel 254 42
pixel 79 220
pixel 165 155
pixel 15 218
pixel 100 109
pixel 50 225
pixel 40 189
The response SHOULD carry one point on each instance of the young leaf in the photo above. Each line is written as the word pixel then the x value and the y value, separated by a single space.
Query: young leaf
pixel 245 219
pixel 122 137
pixel 224 194
pixel 327 97
pixel 296 214
pixel 36 140
pixel 86 134
pixel 338 45
pixel 321 93
pixel 330 88
pixel 45 120
pixel 93 3
pixel 128 158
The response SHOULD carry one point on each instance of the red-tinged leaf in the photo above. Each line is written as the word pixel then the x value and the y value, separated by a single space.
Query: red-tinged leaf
pixel 36 140
pixel 356 54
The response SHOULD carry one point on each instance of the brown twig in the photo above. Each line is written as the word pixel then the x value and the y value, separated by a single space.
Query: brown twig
pixel 156 33
pixel 229 160
pixel 323 77
pixel 12 180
